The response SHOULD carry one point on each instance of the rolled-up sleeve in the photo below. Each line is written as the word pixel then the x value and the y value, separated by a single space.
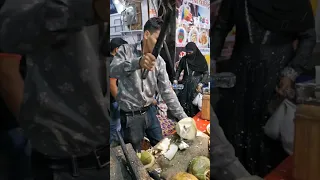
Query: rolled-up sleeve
pixel 168 95
pixel 27 25
pixel 123 63
pixel 303 55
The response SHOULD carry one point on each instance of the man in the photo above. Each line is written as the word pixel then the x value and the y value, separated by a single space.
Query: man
pixel 64 111
pixel 135 95
pixel 15 149
pixel 115 124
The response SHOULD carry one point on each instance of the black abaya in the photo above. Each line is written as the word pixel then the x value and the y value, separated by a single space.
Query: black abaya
pixel 258 58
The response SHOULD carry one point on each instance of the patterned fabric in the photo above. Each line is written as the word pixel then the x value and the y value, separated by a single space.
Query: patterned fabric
pixel 64 110
pixel 135 93
pixel 167 125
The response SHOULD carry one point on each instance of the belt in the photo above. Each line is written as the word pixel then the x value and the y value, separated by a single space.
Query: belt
pixel 97 159
pixel 133 113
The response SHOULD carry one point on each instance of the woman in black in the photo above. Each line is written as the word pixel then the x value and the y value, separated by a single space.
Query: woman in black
pixel 196 74
pixel 263 60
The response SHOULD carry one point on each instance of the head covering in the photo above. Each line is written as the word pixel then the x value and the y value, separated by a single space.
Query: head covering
pixel 196 61
pixel 282 15
pixel 116 42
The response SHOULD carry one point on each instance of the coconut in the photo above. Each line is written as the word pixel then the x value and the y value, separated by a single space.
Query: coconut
pixel 186 128
pixel 147 159
pixel 200 167
pixel 184 176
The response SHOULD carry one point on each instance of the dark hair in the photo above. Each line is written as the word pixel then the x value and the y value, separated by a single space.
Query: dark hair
pixel 153 24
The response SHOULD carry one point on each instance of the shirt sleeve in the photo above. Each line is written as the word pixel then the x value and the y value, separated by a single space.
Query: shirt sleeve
pixel 27 25
pixel 303 55
pixel 168 95
pixel 123 63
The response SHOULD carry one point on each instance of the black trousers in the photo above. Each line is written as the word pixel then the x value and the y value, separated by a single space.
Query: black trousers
pixel 135 128
pixel 43 172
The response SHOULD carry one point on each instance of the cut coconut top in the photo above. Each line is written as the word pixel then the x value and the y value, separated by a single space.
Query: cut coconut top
pixel 186 128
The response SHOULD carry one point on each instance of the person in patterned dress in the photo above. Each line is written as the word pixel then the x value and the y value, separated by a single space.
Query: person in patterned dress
pixel 64 112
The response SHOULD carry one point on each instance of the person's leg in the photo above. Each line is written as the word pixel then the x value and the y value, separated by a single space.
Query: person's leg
pixel 43 172
pixel 115 124
pixel 19 156
pixel 133 130
pixel 153 131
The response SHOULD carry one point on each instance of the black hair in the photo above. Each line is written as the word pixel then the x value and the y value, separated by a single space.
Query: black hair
pixel 153 24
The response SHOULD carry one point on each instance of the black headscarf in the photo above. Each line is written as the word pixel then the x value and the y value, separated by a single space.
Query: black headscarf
pixel 283 15
pixel 196 61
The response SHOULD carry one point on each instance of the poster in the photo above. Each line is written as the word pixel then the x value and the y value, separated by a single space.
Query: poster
pixel 153 8
pixel 193 25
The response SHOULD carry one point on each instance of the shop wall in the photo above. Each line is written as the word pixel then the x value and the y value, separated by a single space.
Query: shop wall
pixel 134 34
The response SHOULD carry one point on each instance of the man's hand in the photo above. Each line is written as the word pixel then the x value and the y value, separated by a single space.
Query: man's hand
pixel 102 9
pixel 285 86
pixel 148 61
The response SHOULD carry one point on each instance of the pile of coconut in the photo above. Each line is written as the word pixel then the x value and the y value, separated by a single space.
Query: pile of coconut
pixel 183 156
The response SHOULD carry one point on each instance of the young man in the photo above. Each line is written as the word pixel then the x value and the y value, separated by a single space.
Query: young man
pixel 64 109
pixel 136 95
pixel 115 124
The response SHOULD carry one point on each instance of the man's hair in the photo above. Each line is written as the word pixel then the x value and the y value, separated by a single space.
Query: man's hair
pixel 152 25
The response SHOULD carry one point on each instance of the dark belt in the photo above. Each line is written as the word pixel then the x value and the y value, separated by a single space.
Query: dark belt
pixel 97 159
pixel 133 113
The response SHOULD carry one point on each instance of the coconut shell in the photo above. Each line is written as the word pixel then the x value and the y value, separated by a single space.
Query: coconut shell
pixel 184 176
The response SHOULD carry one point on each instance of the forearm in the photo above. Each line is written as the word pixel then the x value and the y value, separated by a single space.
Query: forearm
pixel 306 44
pixel 28 25
pixel 11 91
pixel 173 103
pixel 113 87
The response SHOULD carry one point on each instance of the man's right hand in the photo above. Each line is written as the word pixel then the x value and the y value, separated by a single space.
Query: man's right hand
pixel 148 61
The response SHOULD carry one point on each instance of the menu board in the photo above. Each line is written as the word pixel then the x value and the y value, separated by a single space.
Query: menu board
pixel 192 25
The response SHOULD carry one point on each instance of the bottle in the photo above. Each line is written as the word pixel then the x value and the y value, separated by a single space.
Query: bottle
pixel 223 80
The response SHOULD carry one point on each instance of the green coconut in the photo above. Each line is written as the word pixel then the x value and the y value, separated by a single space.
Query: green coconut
pixel 184 176
pixel 200 167
pixel 147 159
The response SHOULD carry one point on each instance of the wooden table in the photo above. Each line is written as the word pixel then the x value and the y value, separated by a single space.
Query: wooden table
pixel 201 123
pixel 283 172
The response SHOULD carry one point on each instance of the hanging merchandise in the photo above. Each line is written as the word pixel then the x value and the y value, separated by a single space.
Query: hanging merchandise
pixel 129 15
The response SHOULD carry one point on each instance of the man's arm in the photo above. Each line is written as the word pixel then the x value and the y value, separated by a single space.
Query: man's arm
pixel 113 87
pixel 11 83
pixel 27 25
pixel 123 64
pixel 168 95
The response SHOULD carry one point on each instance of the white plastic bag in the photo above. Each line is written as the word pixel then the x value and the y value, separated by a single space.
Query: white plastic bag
pixel 197 101
pixel 281 125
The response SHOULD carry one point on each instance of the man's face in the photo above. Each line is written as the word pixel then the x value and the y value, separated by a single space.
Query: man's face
pixel 150 40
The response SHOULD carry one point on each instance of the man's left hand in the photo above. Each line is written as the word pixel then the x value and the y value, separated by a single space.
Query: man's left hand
pixel 285 85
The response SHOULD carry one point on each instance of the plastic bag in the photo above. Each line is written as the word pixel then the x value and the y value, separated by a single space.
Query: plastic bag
pixel 281 125
pixel 197 101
